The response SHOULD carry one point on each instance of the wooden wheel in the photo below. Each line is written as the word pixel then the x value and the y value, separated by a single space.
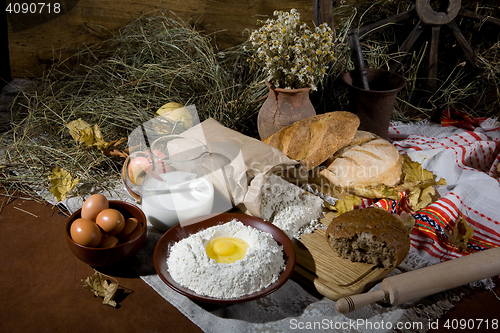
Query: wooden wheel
pixel 428 18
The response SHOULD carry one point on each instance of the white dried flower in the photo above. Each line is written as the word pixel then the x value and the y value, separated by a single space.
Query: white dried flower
pixel 293 55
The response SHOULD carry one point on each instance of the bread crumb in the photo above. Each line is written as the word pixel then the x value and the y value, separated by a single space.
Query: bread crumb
pixel 364 247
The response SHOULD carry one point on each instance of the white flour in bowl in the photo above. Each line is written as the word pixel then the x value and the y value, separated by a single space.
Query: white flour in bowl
pixel 190 266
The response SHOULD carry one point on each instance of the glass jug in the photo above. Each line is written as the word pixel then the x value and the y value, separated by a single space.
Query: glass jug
pixel 172 180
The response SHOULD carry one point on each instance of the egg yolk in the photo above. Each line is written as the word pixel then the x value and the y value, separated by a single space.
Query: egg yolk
pixel 226 249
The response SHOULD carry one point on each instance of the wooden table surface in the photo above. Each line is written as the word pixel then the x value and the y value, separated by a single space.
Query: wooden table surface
pixel 41 285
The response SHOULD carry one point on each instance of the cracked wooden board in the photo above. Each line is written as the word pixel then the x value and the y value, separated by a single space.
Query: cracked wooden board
pixel 320 268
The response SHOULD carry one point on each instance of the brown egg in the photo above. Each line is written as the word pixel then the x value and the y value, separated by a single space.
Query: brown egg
pixel 110 221
pixel 130 225
pixel 108 241
pixel 94 204
pixel 85 232
pixel 134 234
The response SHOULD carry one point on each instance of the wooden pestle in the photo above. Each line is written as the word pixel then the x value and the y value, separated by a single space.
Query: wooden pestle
pixel 427 281
pixel 359 78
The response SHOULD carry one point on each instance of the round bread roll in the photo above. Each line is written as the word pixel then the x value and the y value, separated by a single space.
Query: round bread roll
pixel 367 161
pixel 370 235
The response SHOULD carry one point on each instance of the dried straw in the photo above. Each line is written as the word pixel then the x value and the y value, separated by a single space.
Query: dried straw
pixel 120 83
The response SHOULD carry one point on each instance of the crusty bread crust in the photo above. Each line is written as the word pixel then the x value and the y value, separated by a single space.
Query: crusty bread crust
pixel 315 139
pixel 370 235
pixel 367 161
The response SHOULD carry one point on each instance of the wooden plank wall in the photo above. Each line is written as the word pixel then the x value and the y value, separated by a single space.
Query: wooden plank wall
pixel 38 40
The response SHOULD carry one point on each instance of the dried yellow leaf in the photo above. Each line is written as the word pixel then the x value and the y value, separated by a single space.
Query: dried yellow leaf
pixel 414 172
pixel 419 183
pixel 421 197
pixel 62 183
pixel 460 234
pixel 347 203
pixel 75 126
pixel 441 181
pixel 99 141
pixel 80 130
pixel 380 191
pixel 329 206
pixel 100 286
pixel 83 132
pixel 87 136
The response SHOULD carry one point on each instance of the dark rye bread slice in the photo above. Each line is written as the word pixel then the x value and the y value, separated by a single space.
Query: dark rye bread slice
pixel 370 235
pixel 314 139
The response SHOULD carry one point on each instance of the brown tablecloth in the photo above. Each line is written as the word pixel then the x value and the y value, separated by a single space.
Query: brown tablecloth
pixel 41 285
pixel 41 288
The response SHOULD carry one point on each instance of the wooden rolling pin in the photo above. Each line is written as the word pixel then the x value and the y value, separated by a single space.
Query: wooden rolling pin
pixel 429 280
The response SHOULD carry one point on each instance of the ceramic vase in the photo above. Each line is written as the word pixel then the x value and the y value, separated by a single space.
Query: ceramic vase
pixel 283 107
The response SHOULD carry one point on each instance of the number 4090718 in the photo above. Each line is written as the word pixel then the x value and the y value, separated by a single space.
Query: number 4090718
pixel 472 324
pixel 33 8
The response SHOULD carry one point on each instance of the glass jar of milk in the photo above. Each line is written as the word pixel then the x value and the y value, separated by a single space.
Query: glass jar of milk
pixel 172 179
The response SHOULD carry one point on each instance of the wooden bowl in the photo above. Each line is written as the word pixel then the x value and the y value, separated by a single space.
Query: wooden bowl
pixel 175 234
pixel 100 257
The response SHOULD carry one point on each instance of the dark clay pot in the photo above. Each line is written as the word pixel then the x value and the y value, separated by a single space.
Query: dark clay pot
pixel 374 107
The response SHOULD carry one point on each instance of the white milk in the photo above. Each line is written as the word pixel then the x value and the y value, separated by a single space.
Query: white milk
pixel 189 197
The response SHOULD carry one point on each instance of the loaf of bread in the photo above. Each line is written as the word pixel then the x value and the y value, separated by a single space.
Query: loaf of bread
pixel 371 235
pixel 367 160
pixel 314 139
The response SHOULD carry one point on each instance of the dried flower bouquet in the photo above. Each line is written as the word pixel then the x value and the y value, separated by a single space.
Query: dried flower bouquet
pixel 294 55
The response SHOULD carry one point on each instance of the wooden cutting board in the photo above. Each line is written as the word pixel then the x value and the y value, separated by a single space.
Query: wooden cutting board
pixel 320 268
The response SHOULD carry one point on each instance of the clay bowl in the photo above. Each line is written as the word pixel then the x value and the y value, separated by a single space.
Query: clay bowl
pixel 100 257
pixel 175 234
